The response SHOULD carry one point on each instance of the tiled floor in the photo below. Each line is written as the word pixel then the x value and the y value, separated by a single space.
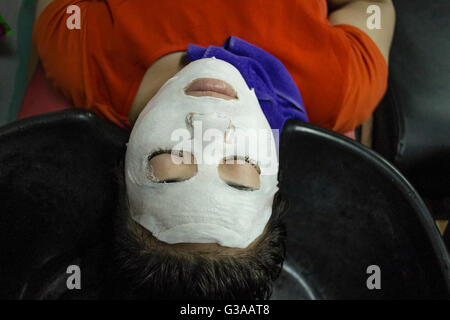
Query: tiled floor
pixel 442 225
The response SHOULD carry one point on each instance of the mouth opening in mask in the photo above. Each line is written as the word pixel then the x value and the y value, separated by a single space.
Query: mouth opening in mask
pixel 211 87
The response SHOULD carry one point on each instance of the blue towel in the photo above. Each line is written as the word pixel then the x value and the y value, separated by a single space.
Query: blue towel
pixel 274 87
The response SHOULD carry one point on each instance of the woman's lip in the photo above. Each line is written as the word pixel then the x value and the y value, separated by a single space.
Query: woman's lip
pixel 211 87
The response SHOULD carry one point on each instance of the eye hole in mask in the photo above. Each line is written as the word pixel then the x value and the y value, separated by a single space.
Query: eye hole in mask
pixel 169 166
pixel 240 172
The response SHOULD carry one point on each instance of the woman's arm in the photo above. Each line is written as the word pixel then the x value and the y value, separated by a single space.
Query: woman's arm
pixel 354 12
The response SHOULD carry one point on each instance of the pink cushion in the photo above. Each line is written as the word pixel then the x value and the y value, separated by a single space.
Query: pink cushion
pixel 41 97
pixel 351 134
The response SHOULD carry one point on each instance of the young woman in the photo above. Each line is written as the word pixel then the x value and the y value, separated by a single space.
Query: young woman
pixel 189 227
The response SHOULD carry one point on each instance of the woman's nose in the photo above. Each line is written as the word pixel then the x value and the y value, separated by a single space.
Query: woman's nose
pixel 213 121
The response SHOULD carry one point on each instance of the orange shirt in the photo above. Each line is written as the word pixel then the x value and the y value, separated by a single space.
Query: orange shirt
pixel 339 71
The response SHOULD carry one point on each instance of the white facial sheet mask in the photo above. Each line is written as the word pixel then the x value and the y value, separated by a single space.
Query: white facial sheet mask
pixel 202 209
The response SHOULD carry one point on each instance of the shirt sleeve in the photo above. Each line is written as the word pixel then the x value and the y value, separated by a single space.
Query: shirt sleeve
pixel 364 76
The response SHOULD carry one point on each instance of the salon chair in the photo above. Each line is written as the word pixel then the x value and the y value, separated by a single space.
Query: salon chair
pixel 412 123
pixel 349 209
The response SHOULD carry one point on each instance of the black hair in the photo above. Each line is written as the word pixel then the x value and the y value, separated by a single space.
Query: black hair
pixel 142 269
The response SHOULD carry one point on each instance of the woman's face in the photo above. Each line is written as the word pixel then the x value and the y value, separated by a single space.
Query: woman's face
pixel 239 174
pixel 201 163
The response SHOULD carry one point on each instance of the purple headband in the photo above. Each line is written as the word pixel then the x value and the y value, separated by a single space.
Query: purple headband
pixel 274 87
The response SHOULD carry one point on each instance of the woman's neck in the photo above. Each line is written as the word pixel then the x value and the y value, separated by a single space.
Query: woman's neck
pixel 156 75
